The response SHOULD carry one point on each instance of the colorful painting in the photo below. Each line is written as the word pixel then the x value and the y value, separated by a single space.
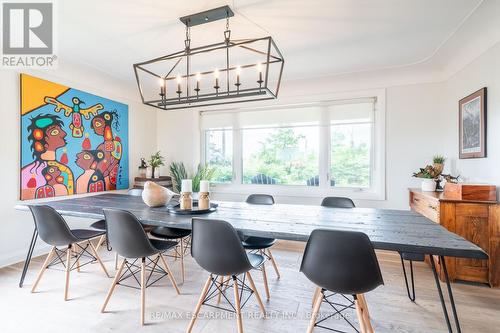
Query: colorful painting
pixel 72 142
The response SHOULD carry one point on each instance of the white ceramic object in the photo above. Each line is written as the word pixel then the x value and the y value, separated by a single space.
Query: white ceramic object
pixel 186 185
pixel 155 195
pixel 428 185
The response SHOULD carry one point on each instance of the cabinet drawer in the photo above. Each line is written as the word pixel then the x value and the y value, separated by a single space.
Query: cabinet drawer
pixel 426 206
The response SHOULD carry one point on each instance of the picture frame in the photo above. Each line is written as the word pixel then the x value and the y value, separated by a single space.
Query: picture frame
pixel 472 125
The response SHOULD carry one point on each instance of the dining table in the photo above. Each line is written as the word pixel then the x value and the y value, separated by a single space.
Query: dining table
pixel 401 231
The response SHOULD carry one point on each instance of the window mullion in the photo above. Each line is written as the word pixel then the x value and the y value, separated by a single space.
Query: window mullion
pixel 324 149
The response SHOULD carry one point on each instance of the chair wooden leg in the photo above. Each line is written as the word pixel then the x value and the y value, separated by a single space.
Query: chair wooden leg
pixel 274 263
pixel 143 289
pixel 99 242
pixel 361 315
pixel 237 305
pixel 113 285
pixel 44 268
pixel 96 255
pixel 198 305
pixel 257 295
pixel 264 278
pixel 182 260
pixel 221 282
pixel 317 299
pixel 366 313
pixel 169 273
pixel 316 291
pixel 68 270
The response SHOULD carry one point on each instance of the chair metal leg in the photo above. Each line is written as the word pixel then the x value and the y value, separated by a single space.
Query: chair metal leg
pixel 170 275
pixel 237 305
pixel 317 299
pixel 28 257
pixel 44 267
pixel 274 263
pixel 441 296
pixel 198 305
pixel 68 270
pixel 257 295
pixel 143 289
pixel 411 295
pixel 113 285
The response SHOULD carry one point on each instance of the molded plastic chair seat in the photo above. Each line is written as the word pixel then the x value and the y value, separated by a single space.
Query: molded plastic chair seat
pixel 85 234
pixel 162 245
pixel 413 256
pixel 99 225
pixel 338 202
pixel 256 260
pixel 257 243
pixel 170 233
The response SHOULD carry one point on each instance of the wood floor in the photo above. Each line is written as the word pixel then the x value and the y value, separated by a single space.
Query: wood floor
pixel 288 309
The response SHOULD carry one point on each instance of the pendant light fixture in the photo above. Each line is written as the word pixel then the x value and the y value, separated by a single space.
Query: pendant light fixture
pixel 231 71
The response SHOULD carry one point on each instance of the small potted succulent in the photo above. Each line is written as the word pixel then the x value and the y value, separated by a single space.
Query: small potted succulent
pixel 431 174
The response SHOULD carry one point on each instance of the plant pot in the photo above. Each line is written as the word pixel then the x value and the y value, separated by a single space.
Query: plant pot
pixel 438 167
pixel 428 185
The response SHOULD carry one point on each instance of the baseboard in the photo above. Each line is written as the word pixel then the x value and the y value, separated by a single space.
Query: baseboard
pixel 20 256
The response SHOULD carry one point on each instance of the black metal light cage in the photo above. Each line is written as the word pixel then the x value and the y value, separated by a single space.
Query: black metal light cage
pixel 169 82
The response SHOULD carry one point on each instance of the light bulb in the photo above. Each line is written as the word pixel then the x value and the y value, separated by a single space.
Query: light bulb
pixel 161 82
pixel 238 70
pixel 198 77
pixel 216 73
pixel 179 79
pixel 259 67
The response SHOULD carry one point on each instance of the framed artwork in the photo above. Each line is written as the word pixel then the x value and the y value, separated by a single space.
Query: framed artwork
pixel 472 123
pixel 72 142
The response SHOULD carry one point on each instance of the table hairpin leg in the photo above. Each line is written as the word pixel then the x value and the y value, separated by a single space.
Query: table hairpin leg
pixel 28 257
pixel 450 295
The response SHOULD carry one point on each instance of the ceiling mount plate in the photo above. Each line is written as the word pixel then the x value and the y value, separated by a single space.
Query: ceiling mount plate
pixel 207 16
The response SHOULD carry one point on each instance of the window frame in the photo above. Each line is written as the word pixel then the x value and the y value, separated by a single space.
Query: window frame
pixel 376 191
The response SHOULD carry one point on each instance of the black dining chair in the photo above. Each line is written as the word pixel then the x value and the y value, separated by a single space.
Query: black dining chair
pixel 53 230
pixel 216 247
pixel 342 202
pixel 343 262
pixel 262 245
pixel 127 237
pixel 182 236
pixel 337 202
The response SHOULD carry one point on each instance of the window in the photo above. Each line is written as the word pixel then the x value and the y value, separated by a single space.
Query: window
pixel 318 149
pixel 280 155
pixel 219 154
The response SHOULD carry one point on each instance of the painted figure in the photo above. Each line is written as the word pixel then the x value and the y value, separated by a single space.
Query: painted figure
pixel 112 147
pixel 46 136
pixel 75 112
pixel 91 180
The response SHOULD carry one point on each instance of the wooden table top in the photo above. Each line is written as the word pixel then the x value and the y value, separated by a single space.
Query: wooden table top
pixel 394 230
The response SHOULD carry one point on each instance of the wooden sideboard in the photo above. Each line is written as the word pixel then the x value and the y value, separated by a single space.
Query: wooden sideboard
pixel 476 221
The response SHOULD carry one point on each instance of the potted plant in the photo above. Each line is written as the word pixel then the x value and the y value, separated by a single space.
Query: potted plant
pixel 156 161
pixel 438 163
pixel 178 173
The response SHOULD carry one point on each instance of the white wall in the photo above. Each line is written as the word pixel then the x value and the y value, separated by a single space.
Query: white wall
pixel 16 227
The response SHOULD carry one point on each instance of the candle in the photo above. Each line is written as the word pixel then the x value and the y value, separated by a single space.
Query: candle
pixel 186 185
pixel 238 72
pixel 162 86
pixel 216 75
pixel 259 69
pixel 179 81
pixel 198 79
pixel 204 186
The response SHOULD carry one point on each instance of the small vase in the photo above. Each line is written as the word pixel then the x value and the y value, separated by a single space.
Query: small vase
pixel 428 185
pixel 204 201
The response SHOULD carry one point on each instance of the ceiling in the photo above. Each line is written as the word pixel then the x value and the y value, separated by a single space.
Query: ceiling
pixel 317 37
